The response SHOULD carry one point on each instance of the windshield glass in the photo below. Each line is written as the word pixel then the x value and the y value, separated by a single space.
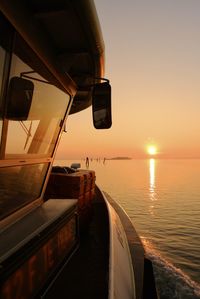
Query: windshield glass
pixel 13 195
pixel 37 134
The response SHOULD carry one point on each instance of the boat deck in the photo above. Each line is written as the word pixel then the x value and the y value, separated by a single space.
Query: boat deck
pixel 86 274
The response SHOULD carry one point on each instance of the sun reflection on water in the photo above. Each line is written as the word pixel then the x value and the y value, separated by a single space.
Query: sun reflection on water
pixel 152 175
pixel 152 192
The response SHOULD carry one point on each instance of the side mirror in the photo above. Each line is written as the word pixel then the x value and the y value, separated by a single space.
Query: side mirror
pixel 101 106
pixel 19 99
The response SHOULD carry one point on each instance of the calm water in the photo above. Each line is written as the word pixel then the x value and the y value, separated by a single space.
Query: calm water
pixel 162 198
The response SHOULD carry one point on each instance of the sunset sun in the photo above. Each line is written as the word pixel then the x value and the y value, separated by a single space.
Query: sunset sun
pixel 152 150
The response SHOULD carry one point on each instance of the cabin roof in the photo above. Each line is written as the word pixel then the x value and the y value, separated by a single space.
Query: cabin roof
pixel 66 35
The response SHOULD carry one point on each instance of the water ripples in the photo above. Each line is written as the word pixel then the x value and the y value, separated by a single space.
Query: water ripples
pixel 171 281
pixel 162 198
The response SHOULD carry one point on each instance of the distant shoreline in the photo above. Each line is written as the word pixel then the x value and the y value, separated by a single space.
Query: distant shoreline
pixel 119 158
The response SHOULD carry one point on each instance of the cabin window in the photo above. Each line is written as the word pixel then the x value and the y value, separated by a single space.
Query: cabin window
pixel 27 136
pixel 37 134
pixel 20 185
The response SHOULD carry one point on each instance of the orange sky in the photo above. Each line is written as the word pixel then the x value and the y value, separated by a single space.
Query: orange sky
pixel 153 63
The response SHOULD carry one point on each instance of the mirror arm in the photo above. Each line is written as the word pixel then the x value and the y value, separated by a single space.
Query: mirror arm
pixel 25 75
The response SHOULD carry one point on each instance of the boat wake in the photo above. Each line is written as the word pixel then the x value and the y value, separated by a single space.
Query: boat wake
pixel 172 283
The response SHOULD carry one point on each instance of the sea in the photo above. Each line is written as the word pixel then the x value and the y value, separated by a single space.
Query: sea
pixel 162 199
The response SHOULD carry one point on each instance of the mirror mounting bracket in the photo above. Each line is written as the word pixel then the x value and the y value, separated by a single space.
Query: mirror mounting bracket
pixel 103 79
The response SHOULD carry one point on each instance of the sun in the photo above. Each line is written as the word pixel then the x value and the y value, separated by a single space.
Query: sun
pixel 152 150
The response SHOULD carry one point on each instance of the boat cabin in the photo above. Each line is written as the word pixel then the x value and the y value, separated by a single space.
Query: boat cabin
pixel 57 229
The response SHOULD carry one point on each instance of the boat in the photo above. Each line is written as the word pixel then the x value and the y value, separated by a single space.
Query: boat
pixel 60 235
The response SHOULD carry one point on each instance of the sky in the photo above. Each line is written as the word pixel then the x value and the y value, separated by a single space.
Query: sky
pixel 152 50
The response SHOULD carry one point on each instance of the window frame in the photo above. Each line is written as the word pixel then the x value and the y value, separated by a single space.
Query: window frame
pixel 32 159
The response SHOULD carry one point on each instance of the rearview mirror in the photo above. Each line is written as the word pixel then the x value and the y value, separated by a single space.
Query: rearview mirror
pixel 101 106
pixel 19 98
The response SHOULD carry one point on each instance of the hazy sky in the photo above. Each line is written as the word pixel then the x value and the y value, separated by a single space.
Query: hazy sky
pixel 153 63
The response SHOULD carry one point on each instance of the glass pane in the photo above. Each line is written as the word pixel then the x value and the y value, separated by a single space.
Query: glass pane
pixel 19 186
pixel 38 133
